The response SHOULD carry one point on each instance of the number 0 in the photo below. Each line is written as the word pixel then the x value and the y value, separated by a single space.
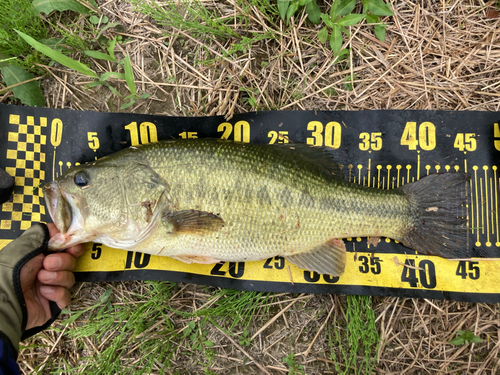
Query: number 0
pixel 56 130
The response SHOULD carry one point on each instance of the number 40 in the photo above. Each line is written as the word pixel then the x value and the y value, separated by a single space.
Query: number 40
pixel 425 137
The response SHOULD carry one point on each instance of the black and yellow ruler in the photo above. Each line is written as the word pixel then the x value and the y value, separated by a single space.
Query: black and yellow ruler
pixel 383 149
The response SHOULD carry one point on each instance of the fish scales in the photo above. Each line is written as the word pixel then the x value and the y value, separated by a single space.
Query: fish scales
pixel 268 204
pixel 206 201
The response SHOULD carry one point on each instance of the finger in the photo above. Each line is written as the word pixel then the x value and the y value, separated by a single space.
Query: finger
pixel 77 250
pixel 52 229
pixel 59 262
pixel 60 278
pixel 57 294
pixel 30 270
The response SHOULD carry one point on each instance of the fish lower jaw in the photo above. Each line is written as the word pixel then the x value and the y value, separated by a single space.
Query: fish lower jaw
pixel 63 241
pixel 57 242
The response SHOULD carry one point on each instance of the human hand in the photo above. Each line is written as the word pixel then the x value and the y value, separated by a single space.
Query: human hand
pixel 33 286
pixel 47 278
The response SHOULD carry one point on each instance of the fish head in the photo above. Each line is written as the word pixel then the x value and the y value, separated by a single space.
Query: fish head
pixel 115 202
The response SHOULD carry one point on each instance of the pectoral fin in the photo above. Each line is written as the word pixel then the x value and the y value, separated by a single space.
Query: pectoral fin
pixel 328 258
pixel 193 222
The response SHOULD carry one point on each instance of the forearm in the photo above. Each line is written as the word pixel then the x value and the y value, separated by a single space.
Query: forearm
pixel 13 257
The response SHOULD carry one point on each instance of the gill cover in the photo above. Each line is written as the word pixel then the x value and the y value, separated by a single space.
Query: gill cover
pixel 116 202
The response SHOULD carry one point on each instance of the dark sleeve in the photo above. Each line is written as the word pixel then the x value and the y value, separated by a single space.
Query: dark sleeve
pixel 8 364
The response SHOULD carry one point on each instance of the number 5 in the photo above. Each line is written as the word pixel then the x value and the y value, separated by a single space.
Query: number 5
pixel 93 140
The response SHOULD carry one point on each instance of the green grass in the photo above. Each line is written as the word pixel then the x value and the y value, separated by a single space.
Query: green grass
pixel 127 331
pixel 232 309
pixel 19 15
pixel 141 332
pixel 196 20
pixel 355 344
pixel 189 16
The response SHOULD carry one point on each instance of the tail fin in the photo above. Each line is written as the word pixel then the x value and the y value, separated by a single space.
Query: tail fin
pixel 439 212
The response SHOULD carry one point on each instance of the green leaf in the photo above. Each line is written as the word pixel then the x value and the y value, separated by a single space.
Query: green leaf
pixel 350 19
pixel 111 48
pixel 304 2
pixel 323 35
pixel 129 76
pixel 344 52
pixel 336 39
pixel 371 18
pixel 57 56
pixel 328 22
pixel 476 339
pixel 105 296
pixel 465 337
pixel 208 343
pixel 54 43
pixel 380 32
pixel 349 85
pixel 313 12
pixel 291 10
pixel 346 7
pixel 468 335
pixel 108 75
pixel 99 55
pixel 379 8
pixel 29 93
pixel 93 84
pixel 333 10
pixel 47 6
pixel 283 7
pixel 108 26
pixel 4 60
pixel 457 341
pixel 113 90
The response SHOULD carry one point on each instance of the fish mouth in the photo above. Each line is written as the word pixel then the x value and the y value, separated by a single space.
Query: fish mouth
pixel 65 213
pixel 59 208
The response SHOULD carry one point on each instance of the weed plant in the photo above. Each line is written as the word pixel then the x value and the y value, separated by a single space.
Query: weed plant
pixel 190 16
pixel 358 342
pixel 19 15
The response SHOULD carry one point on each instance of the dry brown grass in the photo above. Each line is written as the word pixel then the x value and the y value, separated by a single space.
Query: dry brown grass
pixel 437 55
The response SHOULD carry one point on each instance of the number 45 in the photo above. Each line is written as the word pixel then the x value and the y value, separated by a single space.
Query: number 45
pixel 465 142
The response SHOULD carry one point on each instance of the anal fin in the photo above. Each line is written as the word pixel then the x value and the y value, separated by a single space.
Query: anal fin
pixel 328 258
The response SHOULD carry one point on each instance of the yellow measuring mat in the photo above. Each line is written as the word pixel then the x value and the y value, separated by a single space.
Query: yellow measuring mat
pixel 382 149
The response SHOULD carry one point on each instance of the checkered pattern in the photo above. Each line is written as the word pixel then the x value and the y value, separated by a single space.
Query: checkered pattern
pixel 26 163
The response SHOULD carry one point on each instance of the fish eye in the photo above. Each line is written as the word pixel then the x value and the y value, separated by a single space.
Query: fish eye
pixel 81 179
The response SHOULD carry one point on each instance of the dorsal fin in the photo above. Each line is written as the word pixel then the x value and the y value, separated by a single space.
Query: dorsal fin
pixel 320 157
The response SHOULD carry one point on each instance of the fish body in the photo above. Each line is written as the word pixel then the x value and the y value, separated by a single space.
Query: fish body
pixel 207 201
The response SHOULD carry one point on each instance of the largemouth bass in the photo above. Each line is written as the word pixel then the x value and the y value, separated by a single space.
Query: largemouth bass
pixel 207 201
